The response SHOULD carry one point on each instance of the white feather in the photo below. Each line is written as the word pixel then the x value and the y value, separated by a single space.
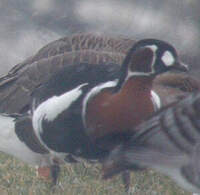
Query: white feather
pixel 12 145
pixel 156 100
pixel 51 108
pixel 55 105
pixel 152 47
pixel 168 58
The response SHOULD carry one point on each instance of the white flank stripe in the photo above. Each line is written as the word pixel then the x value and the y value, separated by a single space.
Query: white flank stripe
pixel 54 106
pixel 156 100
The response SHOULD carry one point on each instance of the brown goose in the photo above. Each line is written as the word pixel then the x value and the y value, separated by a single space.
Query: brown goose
pixel 17 86
pixel 22 79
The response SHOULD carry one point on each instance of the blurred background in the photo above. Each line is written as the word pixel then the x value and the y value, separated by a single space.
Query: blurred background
pixel 26 26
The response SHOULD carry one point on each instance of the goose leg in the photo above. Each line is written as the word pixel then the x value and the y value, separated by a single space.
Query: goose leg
pixel 126 180
pixel 55 171
pixel 44 172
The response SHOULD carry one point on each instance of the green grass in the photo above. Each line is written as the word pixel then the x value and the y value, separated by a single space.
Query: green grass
pixel 17 178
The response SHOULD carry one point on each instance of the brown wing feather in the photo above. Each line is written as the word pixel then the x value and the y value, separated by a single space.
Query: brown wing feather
pixel 15 90
pixel 172 87
pixel 78 42
pixel 18 84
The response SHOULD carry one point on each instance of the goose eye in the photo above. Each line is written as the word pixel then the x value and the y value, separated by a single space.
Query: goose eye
pixel 168 58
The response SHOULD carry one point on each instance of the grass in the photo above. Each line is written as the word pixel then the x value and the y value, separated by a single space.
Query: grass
pixel 17 178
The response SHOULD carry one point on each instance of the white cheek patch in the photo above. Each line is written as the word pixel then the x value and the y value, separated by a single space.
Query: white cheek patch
pixel 168 58
pixel 153 48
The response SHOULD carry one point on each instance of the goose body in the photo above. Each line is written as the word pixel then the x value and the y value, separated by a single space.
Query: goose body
pixel 82 109
pixel 76 50
pixel 63 106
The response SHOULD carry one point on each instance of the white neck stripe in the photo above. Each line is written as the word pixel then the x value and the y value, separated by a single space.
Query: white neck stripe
pixel 130 74
pixel 93 92
pixel 154 48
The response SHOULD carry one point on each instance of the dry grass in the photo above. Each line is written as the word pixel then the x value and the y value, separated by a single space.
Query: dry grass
pixel 17 178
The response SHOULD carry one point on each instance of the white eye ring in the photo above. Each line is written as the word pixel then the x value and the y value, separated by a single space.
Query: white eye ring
pixel 168 58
